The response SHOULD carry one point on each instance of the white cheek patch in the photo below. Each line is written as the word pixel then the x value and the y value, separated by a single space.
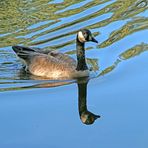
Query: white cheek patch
pixel 81 37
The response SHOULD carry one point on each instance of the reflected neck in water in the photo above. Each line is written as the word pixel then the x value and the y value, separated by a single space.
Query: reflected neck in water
pixel 86 116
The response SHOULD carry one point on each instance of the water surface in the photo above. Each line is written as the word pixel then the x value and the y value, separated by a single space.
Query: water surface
pixel 47 113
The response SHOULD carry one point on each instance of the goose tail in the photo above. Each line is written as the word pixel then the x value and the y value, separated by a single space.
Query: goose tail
pixel 23 52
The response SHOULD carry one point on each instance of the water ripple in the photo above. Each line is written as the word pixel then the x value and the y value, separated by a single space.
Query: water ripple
pixel 53 25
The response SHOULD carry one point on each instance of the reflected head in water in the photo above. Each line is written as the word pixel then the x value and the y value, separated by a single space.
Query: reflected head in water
pixel 86 116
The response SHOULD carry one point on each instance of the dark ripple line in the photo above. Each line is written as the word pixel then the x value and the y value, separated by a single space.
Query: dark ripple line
pixel 43 85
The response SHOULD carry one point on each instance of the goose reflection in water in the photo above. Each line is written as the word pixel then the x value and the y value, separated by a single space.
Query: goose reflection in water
pixel 86 116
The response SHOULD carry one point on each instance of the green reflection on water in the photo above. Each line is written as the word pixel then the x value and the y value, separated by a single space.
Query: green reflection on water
pixel 17 16
pixel 131 27
pixel 130 53
pixel 23 22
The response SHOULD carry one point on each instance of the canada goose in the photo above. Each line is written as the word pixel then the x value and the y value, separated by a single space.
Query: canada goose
pixel 55 65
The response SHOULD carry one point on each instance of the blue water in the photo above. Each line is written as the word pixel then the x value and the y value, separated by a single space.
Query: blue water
pixel 37 113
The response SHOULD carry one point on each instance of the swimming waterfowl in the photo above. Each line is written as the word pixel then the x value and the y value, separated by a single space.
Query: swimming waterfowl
pixel 56 65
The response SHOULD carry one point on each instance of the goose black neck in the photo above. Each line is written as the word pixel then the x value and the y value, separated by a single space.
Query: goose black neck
pixel 81 62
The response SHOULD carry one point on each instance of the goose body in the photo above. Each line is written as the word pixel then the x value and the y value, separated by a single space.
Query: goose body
pixel 53 64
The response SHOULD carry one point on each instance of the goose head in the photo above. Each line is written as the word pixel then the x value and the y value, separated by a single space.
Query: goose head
pixel 84 35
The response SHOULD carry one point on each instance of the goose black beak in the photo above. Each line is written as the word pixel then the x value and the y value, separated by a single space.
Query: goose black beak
pixel 94 40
